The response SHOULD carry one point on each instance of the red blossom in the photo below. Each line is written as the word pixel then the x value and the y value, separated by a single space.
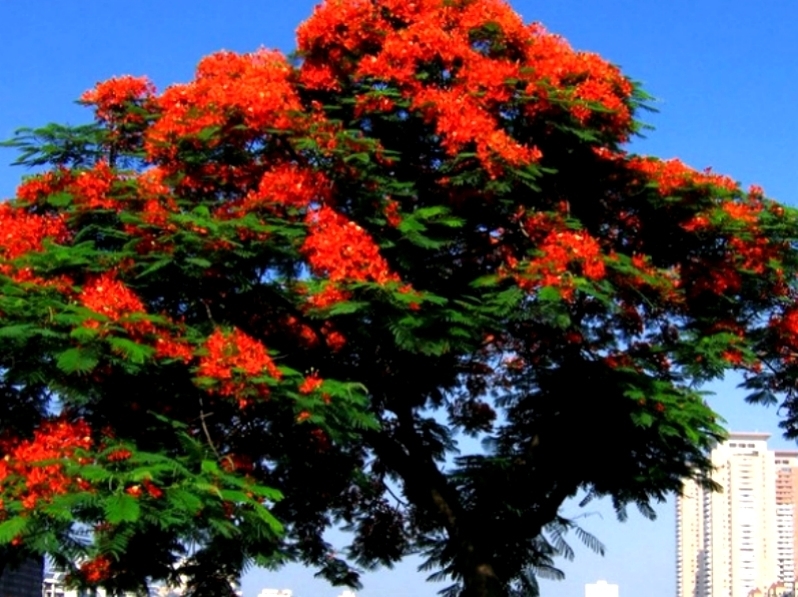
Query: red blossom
pixel 96 570
pixel 167 347
pixel 670 175
pixel 564 253
pixel 334 339
pixel 310 384
pixel 40 186
pixel 92 189
pixel 341 250
pixel 152 489
pixel 330 295
pixel 231 360
pixel 288 185
pixel 32 482
pixel 118 455
pixel 747 213
pixel 228 88
pixel 108 296
pixel 303 332
pixel 392 41
pixel 111 97
pixel 24 232
pixel 391 211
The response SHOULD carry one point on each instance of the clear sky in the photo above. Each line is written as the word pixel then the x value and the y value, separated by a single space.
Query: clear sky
pixel 725 73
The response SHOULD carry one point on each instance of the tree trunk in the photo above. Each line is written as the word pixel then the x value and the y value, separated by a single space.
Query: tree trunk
pixel 427 487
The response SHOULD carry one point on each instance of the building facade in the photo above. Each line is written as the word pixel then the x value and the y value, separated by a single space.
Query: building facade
pixel 601 588
pixel 24 581
pixel 732 542
pixel 55 585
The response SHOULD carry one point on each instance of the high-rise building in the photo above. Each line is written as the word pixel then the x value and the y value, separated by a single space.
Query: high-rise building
pixel 601 588
pixel 744 538
pixel 23 581
pixel 786 514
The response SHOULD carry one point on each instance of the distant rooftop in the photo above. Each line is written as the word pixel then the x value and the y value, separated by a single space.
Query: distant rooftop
pixel 749 435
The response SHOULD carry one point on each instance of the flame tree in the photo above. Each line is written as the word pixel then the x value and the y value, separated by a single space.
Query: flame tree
pixel 270 300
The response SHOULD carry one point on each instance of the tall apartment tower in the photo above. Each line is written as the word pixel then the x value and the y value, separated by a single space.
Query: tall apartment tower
pixel 744 538
pixel 787 513
pixel 23 581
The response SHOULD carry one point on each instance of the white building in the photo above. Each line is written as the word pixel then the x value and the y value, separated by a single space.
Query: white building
pixel 730 543
pixel 275 593
pixel 54 586
pixel 601 588
pixel 786 515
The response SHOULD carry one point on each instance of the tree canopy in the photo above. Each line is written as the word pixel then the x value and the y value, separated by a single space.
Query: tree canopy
pixel 271 301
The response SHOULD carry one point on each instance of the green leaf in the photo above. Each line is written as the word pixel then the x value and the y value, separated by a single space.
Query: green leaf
pixel 267 517
pixel 134 352
pixel 60 199
pixel 362 158
pixel 12 528
pixel 94 473
pixel 234 495
pixel 346 307
pixel 77 360
pixel 208 133
pixel 183 500
pixel 83 334
pixel 122 508
pixel 210 466
pixel 199 262
pixel 16 331
pixel 549 294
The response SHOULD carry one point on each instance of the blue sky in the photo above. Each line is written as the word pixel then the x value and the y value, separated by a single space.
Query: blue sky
pixel 725 73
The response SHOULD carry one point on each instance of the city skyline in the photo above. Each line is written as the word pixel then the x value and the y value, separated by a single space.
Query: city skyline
pixel 733 541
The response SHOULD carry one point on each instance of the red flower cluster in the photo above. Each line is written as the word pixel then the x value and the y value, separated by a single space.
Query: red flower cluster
pixel 229 89
pixel 288 185
pixel 92 188
pixel 158 204
pixel 24 232
pixel 340 250
pixel 96 570
pixel 563 253
pixel 153 490
pixel 234 358
pixel 310 384
pixel 785 329
pixel 106 295
pixel 38 187
pixel 169 347
pixel 670 175
pixel 112 97
pixel 587 77
pixel 23 474
pixel 459 65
